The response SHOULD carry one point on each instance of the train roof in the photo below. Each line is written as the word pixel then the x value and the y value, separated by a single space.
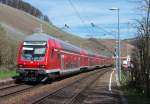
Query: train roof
pixel 69 47
pixel 46 37
pixel 66 46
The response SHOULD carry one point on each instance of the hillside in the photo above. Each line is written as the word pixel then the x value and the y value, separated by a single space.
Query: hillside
pixel 110 44
pixel 16 25
pixel 19 24
pixel 26 7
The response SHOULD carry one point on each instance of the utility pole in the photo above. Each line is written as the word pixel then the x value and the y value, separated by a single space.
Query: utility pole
pixel 128 25
pixel 118 46
pixel 59 29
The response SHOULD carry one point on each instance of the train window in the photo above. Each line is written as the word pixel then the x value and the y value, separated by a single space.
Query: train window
pixel 33 52
pixel 52 54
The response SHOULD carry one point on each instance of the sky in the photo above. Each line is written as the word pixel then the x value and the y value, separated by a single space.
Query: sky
pixel 79 14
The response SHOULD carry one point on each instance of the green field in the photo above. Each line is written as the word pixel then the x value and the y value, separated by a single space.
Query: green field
pixel 7 74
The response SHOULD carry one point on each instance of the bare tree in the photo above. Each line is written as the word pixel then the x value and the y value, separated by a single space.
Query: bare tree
pixel 143 46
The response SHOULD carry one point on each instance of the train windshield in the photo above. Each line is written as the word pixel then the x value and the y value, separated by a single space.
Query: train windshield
pixel 33 52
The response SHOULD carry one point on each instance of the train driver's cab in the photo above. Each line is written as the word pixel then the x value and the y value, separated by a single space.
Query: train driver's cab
pixel 34 50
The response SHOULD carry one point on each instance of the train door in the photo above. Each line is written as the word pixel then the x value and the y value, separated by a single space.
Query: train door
pixel 62 62
pixel 54 60
pixel 79 62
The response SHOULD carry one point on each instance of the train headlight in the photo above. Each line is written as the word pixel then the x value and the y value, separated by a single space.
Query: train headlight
pixel 41 66
pixel 20 66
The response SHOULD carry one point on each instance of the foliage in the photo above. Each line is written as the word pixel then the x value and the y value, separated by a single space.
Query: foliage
pixel 134 97
pixel 19 4
pixel 131 92
pixel 141 56
pixel 8 50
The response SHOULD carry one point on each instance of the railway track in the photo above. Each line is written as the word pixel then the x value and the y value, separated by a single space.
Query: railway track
pixel 70 93
pixel 8 86
pixel 15 89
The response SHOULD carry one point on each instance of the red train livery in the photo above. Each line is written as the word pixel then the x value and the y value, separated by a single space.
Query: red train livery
pixel 42 57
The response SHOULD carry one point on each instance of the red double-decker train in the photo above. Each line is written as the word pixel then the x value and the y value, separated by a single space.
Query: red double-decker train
pixel 42 57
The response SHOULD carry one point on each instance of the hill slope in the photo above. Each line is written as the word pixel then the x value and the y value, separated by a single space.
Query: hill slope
pixel 15 25
pixel 110 44
pixel 20 24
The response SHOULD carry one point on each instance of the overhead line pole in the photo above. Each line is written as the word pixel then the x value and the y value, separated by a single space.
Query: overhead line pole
pixel 119 47
pixel 100 28
pixel 59 29
pixel 118 50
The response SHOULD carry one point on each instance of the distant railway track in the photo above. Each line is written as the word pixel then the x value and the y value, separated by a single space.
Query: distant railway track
pixel 8 86
pixel 15 89
pixel 69 93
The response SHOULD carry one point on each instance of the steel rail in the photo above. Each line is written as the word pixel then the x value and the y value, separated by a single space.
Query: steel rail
pixel 41 98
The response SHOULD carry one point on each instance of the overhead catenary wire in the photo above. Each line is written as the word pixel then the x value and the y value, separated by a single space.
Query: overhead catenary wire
pixel 79 16
pixel 90 23
pixel 104 30
pixel 83 22
pixel 97 26
pixel 60 29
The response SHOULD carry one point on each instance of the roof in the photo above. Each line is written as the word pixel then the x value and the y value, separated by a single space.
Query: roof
pixel 69 47
pixel 44 37
pixel 66 46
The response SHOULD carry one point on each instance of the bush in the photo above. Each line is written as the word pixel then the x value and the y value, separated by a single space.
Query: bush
pixel 8 50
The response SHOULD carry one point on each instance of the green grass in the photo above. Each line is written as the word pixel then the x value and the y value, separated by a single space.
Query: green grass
pixel 124 78
pixel 7 74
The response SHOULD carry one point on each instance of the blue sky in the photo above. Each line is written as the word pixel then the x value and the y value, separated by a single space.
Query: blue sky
pixel 60 12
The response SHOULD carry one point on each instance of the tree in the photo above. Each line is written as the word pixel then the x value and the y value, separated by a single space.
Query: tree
pixel 19 4
pixel 143 38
